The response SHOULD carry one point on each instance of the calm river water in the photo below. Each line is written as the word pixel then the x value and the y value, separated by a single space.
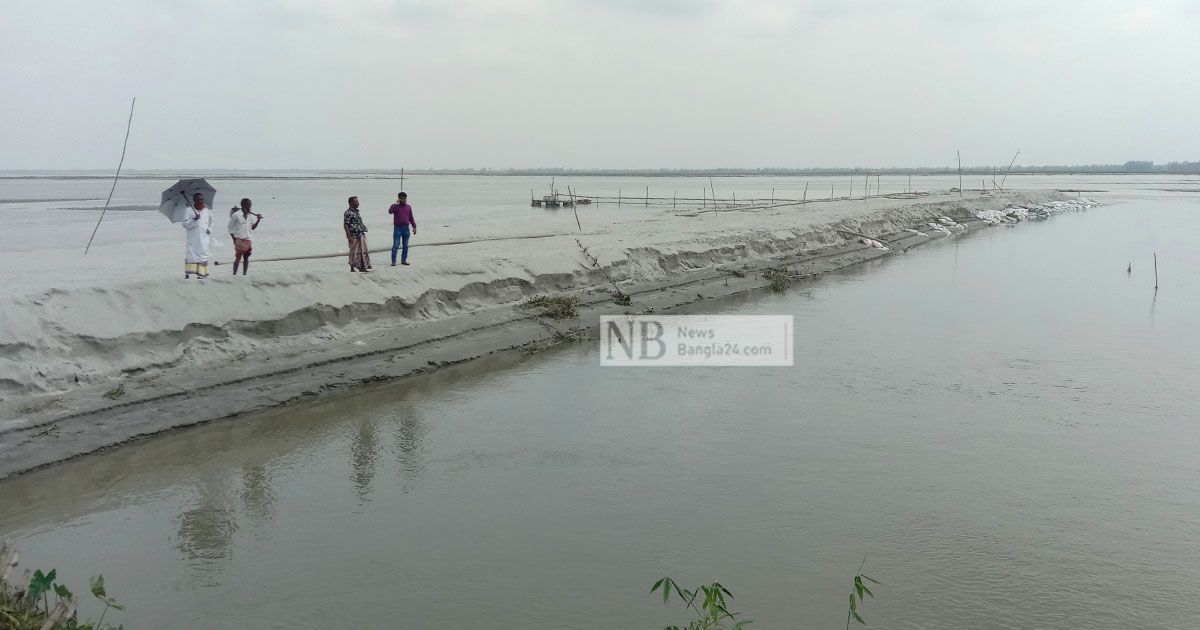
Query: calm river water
pixel 1004 424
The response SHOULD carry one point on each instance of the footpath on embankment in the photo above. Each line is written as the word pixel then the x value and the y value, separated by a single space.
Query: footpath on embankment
pixel 86 368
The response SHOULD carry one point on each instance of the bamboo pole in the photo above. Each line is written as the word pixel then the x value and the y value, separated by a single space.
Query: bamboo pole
pixel 673 196
pixel 1009 169
pixel 647 196
pixel 128 126
pixel 575 208
pixel 1155 271
pixel 772 195
pixel 618 197
pixel 959 153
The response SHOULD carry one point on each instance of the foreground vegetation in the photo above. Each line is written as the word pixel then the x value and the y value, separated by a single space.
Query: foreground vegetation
pixel 710 603
pixel 44 603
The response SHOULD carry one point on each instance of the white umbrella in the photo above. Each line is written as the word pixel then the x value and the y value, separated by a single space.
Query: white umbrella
pixel 178 198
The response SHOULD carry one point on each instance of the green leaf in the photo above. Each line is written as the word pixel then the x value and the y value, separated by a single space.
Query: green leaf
pixel 97 584
pixel 62 591
pixel 858 618
pixel 40 584
pixel 101 593
pixel 873 581
pixel 853 604
pixel 858 586
pixel 867 591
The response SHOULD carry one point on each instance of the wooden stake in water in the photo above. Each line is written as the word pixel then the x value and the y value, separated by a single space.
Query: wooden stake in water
pixel 618 197
pixel 805 200
pixel 1155 271
pixel 959 153
pixel 128 126
pixel 772 196
pixel 401 178
pixel 647 196
pixel 673 196
pixel 575 208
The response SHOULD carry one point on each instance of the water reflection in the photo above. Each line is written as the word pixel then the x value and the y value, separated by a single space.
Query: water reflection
pixel 204 534
pixel 410 446
pixel 258 497
pixel 363 455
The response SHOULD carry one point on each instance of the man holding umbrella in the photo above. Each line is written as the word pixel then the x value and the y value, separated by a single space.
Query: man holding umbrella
pixel 196 217
pixel 197 222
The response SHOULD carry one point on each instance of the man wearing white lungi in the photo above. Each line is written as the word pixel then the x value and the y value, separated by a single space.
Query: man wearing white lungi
pixel 198 224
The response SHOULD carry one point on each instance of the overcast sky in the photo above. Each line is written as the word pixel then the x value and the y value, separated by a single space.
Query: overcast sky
pixel 596 83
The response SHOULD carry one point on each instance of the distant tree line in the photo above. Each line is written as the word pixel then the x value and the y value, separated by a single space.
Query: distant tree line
pixel 1132 166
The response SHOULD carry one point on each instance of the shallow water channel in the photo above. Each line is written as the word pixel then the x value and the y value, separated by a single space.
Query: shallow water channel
pixel 1004 424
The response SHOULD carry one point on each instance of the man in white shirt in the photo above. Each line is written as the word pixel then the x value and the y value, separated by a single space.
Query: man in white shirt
pixel 198 224
pixel 239 230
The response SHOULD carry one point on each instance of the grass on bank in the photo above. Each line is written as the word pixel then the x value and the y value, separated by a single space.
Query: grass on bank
pixel 780 279
pixel 554 306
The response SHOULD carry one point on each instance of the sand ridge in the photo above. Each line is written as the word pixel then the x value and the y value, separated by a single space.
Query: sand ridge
pixel 233 345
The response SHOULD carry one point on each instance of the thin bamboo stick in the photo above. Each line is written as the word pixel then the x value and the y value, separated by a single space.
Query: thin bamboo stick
pixel 1009 169
pixel 575 208
pixel 128 126
pixel 959 154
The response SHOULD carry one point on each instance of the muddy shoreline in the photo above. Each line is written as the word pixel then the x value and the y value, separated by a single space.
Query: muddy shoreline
pixel 391 345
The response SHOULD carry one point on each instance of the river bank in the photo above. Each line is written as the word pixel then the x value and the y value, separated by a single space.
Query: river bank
pixel 84 368
pixel 1009 398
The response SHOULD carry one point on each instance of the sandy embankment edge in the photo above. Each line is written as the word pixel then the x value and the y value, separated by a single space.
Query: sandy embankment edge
pixel 397 337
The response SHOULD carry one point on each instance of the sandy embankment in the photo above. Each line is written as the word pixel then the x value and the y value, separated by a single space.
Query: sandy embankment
pixel 189 352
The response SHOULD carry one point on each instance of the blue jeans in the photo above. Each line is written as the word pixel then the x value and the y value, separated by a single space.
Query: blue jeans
pixel 400 236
